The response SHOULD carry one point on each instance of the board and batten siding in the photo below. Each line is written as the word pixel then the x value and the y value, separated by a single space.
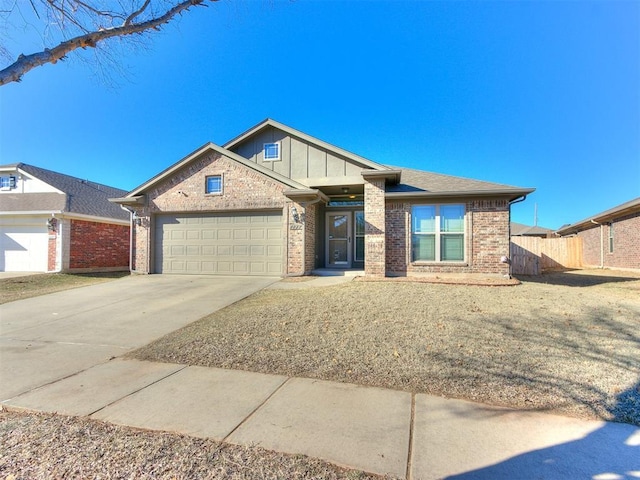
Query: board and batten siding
pixel 299 160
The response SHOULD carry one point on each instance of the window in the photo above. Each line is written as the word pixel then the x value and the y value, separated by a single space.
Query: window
pixel 437 233
pixel 272 151
pixel 7 183
pixel 359 236
pixel 214 184
pixel 611 237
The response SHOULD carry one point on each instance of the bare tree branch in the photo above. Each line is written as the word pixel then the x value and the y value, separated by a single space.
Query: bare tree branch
pixel 101 13
pixel 64 14
pixel 25 63
pixel 132 17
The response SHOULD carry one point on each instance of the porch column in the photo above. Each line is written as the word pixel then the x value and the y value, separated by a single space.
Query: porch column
pixel 374 216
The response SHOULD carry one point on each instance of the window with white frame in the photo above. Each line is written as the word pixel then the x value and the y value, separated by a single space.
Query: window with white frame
pixel 213 185
pixel 7 183
pixel 611 237
pixel 437 233
pixel 272 151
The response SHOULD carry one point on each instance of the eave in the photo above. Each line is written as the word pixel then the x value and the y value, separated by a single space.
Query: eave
pixel 307 195
pixel 391 176
pixel 132 201
pixel 622 210
pixel 512 194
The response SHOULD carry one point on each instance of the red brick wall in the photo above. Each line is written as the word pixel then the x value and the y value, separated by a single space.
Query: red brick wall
pixel 486 240
pixel 98 245
pixel 626 244
pixel 591 246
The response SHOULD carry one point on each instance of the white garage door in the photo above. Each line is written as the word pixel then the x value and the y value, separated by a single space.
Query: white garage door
pixel 220 244
pixel 23 248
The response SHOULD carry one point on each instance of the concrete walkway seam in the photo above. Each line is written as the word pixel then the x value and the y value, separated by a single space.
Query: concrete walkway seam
pixel 136 391
pixel 52 381
pixel 246 419
pixel 407 475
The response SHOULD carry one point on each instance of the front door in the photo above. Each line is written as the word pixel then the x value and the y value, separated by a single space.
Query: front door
pixel 339 240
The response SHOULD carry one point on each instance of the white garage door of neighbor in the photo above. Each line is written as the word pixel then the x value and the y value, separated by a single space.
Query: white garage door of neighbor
pixel 220 244
pixel 23 248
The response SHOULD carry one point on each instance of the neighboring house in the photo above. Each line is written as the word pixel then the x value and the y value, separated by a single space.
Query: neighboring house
pixel 611 238
pixel 521 230
pixel 276 201
pixel 51 222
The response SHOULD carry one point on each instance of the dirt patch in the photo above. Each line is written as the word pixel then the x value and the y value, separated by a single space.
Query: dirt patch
pixel 44 446
pixel 544 345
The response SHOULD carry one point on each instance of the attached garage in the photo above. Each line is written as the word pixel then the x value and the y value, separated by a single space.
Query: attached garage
pixel 248 243
pixel 23 248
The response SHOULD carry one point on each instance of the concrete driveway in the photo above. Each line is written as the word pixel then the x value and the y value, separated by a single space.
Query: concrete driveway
pixel 47 338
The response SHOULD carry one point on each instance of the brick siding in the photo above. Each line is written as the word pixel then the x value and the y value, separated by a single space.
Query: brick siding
pixel 486 240
pixel 244 189
pixel 310 238
pixel 374 228
pixel 96 245
pixel 52 247
pixel 626 244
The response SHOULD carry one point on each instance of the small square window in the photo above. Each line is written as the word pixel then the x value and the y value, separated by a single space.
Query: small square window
pixel 7 183
pixel 214 184
pixel 272 151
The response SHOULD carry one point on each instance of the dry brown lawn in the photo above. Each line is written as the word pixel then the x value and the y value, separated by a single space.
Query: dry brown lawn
pixel 45 446
pixel 567 343
pixel 18 288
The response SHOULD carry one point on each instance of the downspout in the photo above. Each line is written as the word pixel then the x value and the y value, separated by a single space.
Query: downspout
pixel 130 237
pixel 601 242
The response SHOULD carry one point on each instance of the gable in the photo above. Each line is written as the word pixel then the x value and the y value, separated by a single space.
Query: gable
pixel 305 159
pixel 242 187
pixel 39 189
pixel 24 181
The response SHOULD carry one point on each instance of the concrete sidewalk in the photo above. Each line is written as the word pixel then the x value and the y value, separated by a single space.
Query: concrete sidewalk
pixel 371 429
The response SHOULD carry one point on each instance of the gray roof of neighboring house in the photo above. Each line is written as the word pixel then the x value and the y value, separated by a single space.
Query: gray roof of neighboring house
pixel 519 229
pixel 422 183
pixel 621 210
pixel 80 196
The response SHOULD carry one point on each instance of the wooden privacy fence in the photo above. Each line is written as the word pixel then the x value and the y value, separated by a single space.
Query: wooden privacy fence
pixel 535 255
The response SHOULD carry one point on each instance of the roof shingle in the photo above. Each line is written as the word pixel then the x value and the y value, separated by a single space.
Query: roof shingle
pixel 81 196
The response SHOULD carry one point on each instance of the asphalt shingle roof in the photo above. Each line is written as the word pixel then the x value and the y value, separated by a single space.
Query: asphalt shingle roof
pixel 420 181
pixel 80 196
pixel 524 230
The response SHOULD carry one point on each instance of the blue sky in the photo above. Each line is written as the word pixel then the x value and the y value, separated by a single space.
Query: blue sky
pixel 534 94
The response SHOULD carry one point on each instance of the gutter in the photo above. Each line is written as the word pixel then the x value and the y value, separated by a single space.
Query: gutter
pixel 461 193
pixel 66 215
